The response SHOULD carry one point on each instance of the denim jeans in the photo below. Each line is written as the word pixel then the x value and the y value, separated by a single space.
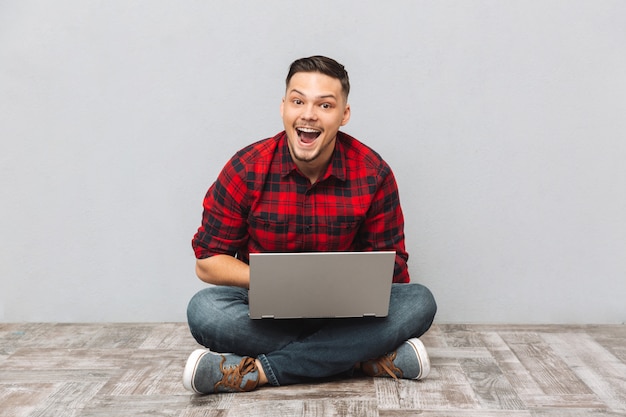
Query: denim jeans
pixel 300 350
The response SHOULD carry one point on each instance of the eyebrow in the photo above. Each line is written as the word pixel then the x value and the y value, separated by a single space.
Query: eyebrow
pixel 325 96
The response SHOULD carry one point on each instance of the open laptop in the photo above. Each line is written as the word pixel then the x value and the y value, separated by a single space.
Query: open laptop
pixel 320 284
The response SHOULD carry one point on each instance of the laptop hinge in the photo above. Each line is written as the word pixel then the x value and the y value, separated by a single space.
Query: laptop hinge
pixel 369 315
pixel 267 316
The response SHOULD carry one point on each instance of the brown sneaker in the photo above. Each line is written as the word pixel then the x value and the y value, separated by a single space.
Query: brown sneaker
pixel 409 361
pixel 208 372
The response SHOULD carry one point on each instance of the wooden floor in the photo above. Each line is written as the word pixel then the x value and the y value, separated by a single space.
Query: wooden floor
pixel 63 370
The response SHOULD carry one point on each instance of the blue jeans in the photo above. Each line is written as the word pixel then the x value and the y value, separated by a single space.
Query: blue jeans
pixel 300 350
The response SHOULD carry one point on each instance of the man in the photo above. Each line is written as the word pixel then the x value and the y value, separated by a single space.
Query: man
pixel 309 188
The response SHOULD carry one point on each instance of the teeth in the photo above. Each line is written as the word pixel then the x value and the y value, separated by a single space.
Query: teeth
pixel 307 130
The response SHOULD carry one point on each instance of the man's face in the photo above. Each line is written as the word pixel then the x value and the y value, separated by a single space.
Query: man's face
pixel 313 110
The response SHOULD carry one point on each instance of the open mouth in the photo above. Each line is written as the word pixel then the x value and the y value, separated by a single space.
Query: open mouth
pixel 307 134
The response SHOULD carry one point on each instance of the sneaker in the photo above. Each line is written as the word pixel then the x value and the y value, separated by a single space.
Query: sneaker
pixel 409 361
pixel 208 372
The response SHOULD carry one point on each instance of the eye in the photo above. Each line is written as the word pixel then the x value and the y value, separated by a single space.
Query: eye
pixel 296 101
pixel 326 106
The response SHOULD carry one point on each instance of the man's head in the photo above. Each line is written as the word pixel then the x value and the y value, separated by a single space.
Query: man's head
pixel 323 65
pixel 315 106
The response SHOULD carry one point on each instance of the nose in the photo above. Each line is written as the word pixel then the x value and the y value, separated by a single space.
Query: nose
pixel 309 112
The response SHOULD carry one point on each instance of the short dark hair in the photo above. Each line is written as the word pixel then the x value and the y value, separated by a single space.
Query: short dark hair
pixel 324 65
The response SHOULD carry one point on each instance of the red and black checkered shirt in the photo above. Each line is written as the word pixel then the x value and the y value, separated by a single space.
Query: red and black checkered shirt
pixel 260 202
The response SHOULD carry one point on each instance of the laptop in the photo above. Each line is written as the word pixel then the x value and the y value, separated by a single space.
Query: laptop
pixel 320 284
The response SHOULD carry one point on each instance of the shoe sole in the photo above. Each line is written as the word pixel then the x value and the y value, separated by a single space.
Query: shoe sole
pixel 189 374
pixel 422 357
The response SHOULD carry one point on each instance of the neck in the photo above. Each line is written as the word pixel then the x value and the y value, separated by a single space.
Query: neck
pixel 315 167
pixel 312 173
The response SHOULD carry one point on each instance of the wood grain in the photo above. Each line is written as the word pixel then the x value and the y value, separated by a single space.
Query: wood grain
pixel 75 369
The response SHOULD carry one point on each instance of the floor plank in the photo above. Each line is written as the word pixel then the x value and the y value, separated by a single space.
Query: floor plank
pixel 78 369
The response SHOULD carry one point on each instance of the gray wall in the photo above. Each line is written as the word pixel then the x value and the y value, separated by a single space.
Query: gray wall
pixel 505 123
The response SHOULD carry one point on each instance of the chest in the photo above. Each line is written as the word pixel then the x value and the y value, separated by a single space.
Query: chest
pixel 295 215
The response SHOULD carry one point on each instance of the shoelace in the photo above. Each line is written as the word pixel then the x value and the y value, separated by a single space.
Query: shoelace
pixel 386 363
pixel 233 375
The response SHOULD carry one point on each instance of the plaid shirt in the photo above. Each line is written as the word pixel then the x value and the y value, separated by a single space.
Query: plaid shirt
pixel 262 203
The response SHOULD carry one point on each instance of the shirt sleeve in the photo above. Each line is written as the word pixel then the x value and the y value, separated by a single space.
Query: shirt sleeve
pixel 383 228
pixel 223 229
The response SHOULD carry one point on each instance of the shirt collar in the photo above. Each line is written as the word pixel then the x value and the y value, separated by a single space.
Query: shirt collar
pixel 336 168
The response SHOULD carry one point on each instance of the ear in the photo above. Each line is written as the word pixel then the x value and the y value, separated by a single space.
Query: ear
pixel 346 115
pixel 282 107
